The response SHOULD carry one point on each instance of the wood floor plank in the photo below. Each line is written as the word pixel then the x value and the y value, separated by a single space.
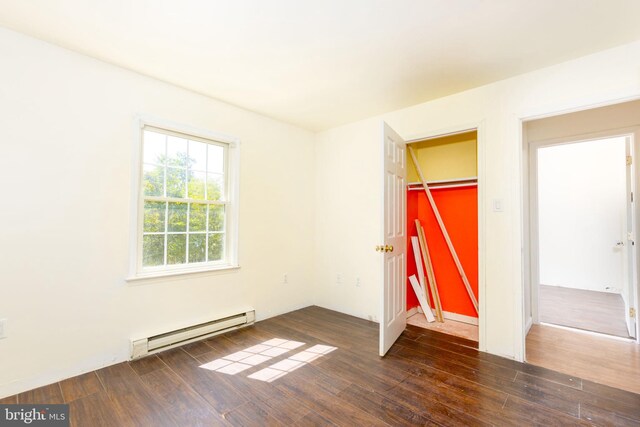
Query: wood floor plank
pixel 342 366
pixel 212 386
pixel 282 328
pixel 622 396
pixel 96 410
pixel 247 337
pixel 536 415
pixel 387 410
pixel 330 321
pixel 250 414
pixel 468 368
pixel 327 404
pixel 80 386
pixel 222 345
pixel 147 364
pixel 313 419
pixel 549 375
pixel 48 394
pixel 10 400
pixel 412 332
pixel 487 375
pixel 457 394
pixel 286 408
pixel 357 340
pixel 197 348
pixel 546 393
pixel 312 377
pixel 187 406
pixel 600 406
pixel 360 323
pixel 430 406
pixel 355 322
pixel 283 407
pixel 596 416
pixel 610 405
pixel 131 399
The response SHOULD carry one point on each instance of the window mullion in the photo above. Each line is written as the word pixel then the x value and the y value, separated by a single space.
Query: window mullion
pixel 183 200
pixel 187 239
pixel 206 197
pixel 166 230
pixel 206 236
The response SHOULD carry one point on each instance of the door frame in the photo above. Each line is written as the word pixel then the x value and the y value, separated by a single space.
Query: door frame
pixel 533 247
pixel 479 128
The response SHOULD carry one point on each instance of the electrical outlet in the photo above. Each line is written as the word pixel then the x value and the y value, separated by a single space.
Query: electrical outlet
pixel 285 278
pixel 357 282
pixel 339 278
pixel 3 328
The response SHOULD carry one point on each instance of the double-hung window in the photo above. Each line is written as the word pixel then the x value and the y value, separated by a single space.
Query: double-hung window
pixel 187 200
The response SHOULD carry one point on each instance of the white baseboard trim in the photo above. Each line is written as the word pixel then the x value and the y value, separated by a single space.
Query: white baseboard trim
pixel 460 318
pixel 448 315
pixel 413 311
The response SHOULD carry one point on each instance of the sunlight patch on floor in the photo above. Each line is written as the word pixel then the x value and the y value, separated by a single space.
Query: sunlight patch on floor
pixel 242 360
pixel 252 356
pixel 282 368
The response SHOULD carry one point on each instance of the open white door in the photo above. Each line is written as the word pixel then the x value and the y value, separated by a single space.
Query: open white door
pixel 629 289
pixel 393 319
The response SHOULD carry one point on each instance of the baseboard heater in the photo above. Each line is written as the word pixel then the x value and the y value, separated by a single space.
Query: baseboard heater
pixel 146 346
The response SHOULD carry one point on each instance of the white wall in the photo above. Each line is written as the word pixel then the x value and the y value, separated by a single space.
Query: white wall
pixel 66 135
pixel 348 161
pixel 582 214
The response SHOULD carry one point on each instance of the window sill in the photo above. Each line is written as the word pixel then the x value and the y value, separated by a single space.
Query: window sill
pixel 177 273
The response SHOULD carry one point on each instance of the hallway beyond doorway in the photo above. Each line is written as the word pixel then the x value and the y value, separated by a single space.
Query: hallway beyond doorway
pixel 594 311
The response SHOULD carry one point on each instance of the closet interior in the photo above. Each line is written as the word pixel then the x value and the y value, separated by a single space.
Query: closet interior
pixel 445 264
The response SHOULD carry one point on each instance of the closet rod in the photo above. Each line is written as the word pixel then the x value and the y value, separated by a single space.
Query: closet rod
pixel 418 187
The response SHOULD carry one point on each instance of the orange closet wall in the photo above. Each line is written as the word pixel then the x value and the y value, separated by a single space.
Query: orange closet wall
pixel 459 210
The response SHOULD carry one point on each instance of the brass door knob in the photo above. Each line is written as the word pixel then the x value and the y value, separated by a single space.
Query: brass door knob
pixel 388 248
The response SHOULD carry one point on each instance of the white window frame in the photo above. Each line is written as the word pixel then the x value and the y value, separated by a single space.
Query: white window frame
pixel 232 145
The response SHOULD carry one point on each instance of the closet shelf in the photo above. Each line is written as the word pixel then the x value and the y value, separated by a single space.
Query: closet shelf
pixel 469 181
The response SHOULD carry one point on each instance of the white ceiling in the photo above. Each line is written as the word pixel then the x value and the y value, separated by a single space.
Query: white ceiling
pixel 322 63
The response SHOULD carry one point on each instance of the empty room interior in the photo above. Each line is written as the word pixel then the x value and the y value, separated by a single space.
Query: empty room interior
pixel 320 213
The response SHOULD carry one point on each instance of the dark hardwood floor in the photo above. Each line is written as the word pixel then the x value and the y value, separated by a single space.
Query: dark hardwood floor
pixel 426 379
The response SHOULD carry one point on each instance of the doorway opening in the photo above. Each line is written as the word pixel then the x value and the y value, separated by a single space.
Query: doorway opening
pixel 581 281
pixel 449 166
pixel 584 241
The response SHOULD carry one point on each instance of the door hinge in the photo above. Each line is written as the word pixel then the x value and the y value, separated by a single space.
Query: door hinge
pixel 629 160
pixel 632 312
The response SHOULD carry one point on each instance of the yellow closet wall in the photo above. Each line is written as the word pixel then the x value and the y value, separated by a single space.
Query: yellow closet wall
pixel 450 157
